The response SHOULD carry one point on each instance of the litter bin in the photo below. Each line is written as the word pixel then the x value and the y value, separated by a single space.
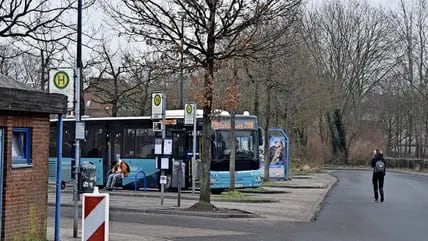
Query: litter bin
pixel 87 178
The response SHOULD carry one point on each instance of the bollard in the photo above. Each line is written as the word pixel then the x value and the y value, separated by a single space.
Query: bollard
pixel 95 216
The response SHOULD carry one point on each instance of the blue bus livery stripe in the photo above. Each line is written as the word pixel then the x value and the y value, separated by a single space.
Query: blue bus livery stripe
pixel 147 165
pixel 220 179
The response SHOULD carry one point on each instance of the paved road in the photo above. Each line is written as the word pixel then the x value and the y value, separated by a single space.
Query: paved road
pixel 348 214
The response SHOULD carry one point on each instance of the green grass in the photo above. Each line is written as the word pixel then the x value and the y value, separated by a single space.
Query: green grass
pixel 234 195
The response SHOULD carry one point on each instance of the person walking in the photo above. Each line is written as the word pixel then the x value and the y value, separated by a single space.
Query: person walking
pixel 379 171
pixel 119 170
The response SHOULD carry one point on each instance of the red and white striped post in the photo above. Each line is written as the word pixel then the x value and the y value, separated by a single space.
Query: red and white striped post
pixel 95 216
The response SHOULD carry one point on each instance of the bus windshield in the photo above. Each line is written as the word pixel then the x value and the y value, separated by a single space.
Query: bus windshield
pixel 246 146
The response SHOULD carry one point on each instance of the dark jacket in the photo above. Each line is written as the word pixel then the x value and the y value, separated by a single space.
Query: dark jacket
pixel 378 157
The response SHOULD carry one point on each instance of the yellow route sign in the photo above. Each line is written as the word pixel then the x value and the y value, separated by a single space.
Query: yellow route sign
pixel 61 81
pixel 157 105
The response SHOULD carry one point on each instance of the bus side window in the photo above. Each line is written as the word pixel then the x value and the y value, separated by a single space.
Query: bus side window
pixel 144 146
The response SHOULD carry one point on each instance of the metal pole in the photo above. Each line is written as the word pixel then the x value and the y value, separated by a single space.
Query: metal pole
pixel 179 175
pixel 77 160
pixel 287 166
pixel 77 114
pixel 58 179
pixel 79 55
pixel 194 149
pixel 163 144
pixel 181 65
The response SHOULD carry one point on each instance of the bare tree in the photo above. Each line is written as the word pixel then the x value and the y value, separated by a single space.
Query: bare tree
pixel 145 71
pixel 41 32
pixel 410 125
pixel 352 45
pixel 110 86
pixel 207 32
pixel 31 18
pixel 46 54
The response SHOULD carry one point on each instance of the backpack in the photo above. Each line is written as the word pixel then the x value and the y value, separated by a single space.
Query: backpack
pixel 379 167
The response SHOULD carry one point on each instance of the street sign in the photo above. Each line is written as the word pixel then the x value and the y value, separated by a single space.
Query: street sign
pixel 162 179
pixel 157 126
pixel 80 130
pixel 157 105
pixel 61 81
pixel 189 111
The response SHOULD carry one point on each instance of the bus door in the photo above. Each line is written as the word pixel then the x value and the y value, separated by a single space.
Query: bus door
pixel 179 146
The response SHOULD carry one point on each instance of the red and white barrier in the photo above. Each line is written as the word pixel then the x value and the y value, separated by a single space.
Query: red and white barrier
pixel 95 216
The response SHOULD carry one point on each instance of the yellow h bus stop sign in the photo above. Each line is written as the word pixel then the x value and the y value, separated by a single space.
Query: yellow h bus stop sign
pixel 61 81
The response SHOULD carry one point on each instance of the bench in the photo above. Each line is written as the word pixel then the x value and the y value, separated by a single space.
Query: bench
pixel 136 176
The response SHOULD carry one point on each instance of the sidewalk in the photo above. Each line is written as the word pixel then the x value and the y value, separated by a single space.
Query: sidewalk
pixel 296 200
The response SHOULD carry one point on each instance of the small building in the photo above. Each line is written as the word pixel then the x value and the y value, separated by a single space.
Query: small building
pixel 24 147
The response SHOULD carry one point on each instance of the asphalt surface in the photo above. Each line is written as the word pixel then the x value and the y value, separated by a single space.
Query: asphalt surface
pixel 348 213
pixel 297 200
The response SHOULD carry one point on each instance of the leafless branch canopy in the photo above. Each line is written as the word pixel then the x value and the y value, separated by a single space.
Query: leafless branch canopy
pixel 31 18
pixel 190 25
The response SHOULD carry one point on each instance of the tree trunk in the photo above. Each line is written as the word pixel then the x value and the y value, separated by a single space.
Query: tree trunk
pixel 114 109
pixel 42 71
pixel 266 127
pixel 205 193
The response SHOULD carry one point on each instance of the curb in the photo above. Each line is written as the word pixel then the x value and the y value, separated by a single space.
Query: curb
pixel 178 211
pixel 216 199
pixel 321 186
pixel 246 200
pixel 244 214
pixel 264 192
pixel 315 213
pixel 131 193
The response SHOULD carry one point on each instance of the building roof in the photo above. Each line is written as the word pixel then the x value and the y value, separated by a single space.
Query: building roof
pixel 16 97
pixel 6 82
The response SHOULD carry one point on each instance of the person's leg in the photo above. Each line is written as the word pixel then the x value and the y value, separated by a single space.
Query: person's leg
pixel 109 180
pixel 115 176
pixel 381 181
pixel 375 181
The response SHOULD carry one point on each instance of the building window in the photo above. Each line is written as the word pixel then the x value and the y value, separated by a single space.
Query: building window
pixel 21 146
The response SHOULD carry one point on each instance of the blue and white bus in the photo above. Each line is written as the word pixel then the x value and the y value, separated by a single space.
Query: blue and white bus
pixel 247 162
pixel 133 140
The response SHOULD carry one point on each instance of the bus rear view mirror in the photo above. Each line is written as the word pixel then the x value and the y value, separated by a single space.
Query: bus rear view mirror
pixel 260 136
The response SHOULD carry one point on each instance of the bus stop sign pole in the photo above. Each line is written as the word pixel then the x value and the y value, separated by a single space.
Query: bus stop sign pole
pixel 194 149
pixel 58 180
pixel 163 145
